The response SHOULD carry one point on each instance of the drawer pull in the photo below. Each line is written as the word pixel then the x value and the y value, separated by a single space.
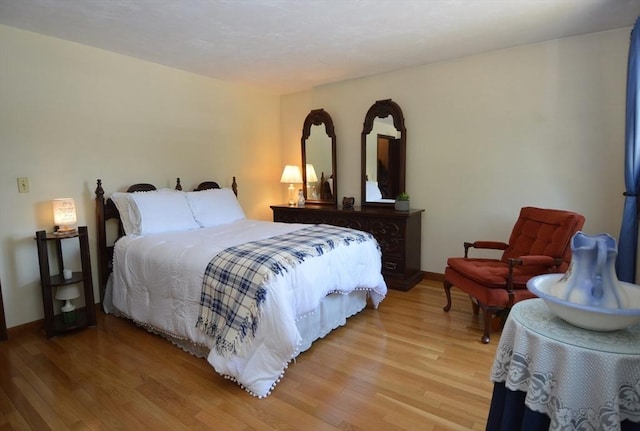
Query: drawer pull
pixel 390 265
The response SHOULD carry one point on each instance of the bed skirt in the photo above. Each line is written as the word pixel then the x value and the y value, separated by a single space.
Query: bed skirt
pixel 333 312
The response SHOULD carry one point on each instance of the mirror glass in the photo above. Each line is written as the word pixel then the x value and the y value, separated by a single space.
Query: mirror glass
pixel 383 154
pixel 319 158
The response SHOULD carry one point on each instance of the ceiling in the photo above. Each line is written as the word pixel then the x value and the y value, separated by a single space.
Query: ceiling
pixel 285 46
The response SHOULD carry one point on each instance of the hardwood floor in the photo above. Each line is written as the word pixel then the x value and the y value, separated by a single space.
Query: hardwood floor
pixel 406 366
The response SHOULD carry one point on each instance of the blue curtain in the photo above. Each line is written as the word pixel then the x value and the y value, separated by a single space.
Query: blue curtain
pixel 628 241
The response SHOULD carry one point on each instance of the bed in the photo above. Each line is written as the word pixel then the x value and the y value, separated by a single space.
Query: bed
pixel 248 295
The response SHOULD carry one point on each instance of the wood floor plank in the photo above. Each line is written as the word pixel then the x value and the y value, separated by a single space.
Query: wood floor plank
pixel 406 366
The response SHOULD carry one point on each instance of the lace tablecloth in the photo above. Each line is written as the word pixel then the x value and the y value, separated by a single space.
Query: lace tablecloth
pixel 581 379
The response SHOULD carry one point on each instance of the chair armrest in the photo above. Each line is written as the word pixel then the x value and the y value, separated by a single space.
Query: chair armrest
pixel 535 260
pixel 528 260
pixel 493 245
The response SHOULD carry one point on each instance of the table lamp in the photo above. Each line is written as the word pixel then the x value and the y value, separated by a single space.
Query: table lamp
pixel 67 293
pixel 64 216
pixel 312 179
pixel 291 174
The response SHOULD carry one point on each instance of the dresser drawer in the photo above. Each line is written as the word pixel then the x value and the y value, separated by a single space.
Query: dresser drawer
pixel 393 266
pixel 301 217
pixel 285 217
pixel 351 222
pixel 387 228
pixel 392 246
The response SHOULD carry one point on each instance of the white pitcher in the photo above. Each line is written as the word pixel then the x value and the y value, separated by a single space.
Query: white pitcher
pixel 591 278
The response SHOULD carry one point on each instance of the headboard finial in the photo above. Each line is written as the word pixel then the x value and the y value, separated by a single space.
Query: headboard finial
pixel 234 186
pixel 99 190
pixel 178 185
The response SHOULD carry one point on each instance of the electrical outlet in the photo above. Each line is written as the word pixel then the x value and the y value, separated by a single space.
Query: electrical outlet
pixel 23 184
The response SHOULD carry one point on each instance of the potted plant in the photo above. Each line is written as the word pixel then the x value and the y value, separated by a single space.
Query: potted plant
pixel 402 202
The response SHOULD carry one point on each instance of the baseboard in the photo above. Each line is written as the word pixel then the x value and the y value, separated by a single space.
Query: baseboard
pixel 15 331
pixel 35 326
pixel 434 276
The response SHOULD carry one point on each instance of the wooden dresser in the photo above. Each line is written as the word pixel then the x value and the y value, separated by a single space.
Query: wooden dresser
pixel 397 232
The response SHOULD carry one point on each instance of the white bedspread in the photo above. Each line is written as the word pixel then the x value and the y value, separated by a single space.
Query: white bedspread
pixel 157 280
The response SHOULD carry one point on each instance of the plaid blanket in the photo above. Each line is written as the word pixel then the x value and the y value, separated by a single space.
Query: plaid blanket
pixel 233 289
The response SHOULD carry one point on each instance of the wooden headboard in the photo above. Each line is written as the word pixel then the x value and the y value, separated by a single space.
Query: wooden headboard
pixel 106 210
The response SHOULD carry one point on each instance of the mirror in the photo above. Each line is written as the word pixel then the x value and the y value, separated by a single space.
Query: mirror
pixel 383 154
pixel 319 180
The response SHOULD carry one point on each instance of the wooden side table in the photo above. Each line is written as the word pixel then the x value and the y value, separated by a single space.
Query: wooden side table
pixel 550 375
pixel 86 316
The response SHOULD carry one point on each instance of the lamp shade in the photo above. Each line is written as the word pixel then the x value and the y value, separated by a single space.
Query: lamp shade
pixel 64 213
pixel 291 174
pixel 67 292
pixel 311 174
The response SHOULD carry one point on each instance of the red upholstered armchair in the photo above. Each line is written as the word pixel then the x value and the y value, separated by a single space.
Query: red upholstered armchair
pixel 539 244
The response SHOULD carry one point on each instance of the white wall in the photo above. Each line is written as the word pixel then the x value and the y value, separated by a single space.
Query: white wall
pixel 539 125
pixel 70 114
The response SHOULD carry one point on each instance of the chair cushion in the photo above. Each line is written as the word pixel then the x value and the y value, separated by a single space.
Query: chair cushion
pixel 493 273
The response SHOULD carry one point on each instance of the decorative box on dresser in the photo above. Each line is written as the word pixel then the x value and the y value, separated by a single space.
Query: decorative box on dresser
pixel 397 232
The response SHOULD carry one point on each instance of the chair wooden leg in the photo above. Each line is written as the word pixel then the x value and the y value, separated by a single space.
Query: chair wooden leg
pixel 488 314
pixel 474 305
pixel 486 337
pixel 447 292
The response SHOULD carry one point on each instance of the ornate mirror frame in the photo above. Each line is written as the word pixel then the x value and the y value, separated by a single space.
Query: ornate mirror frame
pixel 383 109
pixel 327 182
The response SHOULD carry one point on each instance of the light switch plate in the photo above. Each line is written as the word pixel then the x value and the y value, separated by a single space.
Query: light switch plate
pixel 23 184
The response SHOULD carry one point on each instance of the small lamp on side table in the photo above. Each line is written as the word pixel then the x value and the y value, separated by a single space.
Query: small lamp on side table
pixel 64 216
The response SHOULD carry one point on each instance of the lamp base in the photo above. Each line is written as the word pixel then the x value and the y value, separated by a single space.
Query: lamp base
pixel 64 230
pixel 69 317
pixel 292 190
pixel 68 312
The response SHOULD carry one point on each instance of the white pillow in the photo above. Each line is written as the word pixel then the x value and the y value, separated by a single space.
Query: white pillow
pixel 372 191
pixel 128 214
pixel 215 207
pixel 163 211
